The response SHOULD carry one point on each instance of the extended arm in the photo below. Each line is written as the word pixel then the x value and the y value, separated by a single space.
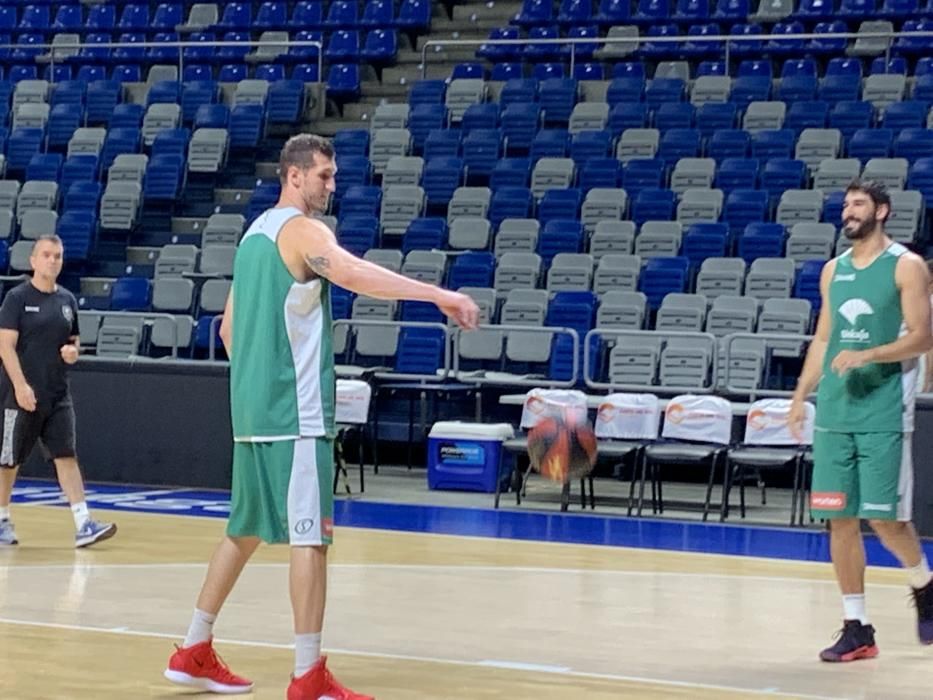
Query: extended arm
pixel 324 256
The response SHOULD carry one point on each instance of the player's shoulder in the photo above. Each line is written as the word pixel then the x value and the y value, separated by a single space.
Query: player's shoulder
pixel 906 258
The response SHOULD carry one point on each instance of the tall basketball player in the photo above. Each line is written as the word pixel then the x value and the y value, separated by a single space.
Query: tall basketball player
pixel 874 323
pixel 277 330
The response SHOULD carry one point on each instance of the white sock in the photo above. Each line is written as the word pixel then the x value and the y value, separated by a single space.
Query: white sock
pixel 853 607
pixel 919 574
pixel 5 513
pixel 80 513
pixel 307 652
pixel 201 628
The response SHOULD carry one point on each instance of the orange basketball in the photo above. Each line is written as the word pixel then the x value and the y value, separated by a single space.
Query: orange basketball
pixel 562 447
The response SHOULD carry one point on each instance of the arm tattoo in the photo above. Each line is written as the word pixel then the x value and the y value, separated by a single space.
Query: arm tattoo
pixel 319 266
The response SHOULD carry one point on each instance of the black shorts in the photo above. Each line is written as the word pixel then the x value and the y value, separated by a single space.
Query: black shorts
pixel 53 424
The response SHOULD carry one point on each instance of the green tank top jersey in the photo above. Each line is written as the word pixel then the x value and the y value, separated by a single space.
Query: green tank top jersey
pixel 865 312
pixel 282 382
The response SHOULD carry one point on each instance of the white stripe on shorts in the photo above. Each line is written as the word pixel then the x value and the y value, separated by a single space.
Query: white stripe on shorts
pixel 905 482
pixel 9 427
pixel 304 495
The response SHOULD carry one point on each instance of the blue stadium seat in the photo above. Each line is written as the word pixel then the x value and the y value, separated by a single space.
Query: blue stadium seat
pixel 674 115
pixel 728 143
pixel 712 116
pixel 627 115
pixel 130 294
pixel 81 167
pixel 247 125
pixel 850 116
pixel 905 115
pixel 22 145
pixel 168 15
pixel 420 351
pixel 306 14
pixel 535 51
pixel 866 144
pixel 127 115
pixel 426 233
pixel 271 16
pixel 286 102
pixel 427 92
pixel 678 143
pixel 164 178
pixel 63 120
pixel 744 207
pixel 625 90
pixel 414 16
pixel 117 141
pixel 662 276
pixel 77 229
pixel 807 284
pixel 441 177
pixel 498 52
pixel 343 82
pixel 748 89
pixel 341 14
pixel 211 116
pixel 343 46
pixel 380 47
pixel 806 115
pixel 472 269
pixel 590 145
pixel 761 240
pixel 45 166
pixel 504 72
pixel 599 172
pixel 510 172
pixel 83 196
pixel 828 45
pixel 559 236
pixel 549 143
pixel 653 204
pixel 482 148
pixel 510 203
pixel 705 240
pixel 737 174
pixel 194 95
pixel 772 143
pixel 643 173
pixel 534 13
pixel 914 143
pixel 780 174
pixel 442 143
pixel 378 13
pixel 358 233
pixel 351 170
pixel 423 119
pixel 361 200
pixel 560 204
pixel 483 115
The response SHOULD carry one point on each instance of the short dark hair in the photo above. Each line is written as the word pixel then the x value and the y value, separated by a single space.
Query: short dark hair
pixel 299 152
pixel 875 190
pixel 50 237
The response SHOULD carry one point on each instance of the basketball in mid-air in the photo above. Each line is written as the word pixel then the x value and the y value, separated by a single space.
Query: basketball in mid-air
pixel 562 447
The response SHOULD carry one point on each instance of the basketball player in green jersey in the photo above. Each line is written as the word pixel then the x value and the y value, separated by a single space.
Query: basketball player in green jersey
pixel 277 330
pixel 874 323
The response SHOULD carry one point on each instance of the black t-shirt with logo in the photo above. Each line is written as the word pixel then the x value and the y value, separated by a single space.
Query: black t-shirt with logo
pixel 45 322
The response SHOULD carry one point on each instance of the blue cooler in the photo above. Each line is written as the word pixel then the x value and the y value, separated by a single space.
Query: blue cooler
pixel 465 456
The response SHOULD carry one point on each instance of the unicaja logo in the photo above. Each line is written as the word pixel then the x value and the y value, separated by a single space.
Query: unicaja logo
pixel 674 413
pixel 759 420
pixel 854 308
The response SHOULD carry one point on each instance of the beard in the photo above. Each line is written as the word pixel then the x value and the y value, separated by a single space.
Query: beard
pixel 856 231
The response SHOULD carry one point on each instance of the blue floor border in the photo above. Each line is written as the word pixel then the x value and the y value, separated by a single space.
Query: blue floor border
pixel 797 544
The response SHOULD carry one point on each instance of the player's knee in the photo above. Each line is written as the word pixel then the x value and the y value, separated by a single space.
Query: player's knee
pixel 887 527
pixel 844 526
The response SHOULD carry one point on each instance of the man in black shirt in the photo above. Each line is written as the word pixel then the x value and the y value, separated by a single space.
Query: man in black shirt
pixel 38 339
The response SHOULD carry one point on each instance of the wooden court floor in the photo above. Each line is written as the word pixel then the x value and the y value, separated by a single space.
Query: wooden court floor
pixel 414 616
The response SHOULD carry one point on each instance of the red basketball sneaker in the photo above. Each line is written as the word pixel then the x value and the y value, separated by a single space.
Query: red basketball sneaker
pixel 201 667
pixel 320 683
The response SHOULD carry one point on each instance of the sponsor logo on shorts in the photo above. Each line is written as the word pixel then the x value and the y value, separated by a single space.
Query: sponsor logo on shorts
pixel 883 507
pixel 303 527
pixel 828 500
pixel 327 527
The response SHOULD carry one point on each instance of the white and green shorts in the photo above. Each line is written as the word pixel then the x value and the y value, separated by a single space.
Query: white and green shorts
pixel 282 491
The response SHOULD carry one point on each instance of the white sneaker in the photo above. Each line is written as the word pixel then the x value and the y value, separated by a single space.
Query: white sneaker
pixel 93 531
pixel 7 533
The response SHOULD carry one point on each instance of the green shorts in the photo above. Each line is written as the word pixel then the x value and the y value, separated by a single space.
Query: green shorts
pixel 283 491
pixel 862 475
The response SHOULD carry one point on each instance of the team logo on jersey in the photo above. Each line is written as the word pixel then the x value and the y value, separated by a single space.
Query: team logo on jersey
pixel 844 278
pixel 68 313
pixel 854 308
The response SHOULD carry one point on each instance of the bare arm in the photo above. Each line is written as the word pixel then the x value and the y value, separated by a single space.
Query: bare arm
pixel 226 325
pixel 70 350
pixel 813 365
pixel 25 396
pixel 324 256
pixel 913 280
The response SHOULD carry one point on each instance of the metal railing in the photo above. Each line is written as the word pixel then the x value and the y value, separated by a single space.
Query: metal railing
pixel 638 42
pixel 440 376
pixel 466 378
pixel 68 53
pixel 147 318
pixel 712 367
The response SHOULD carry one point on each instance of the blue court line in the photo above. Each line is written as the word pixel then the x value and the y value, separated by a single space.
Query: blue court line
pixel 644 533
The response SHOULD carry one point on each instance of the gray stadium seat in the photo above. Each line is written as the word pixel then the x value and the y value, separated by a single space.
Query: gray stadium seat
pixel 659 238
pixel 214 294
pixel 621 309
pixel 469 233
pixel 811 241
pixel 891 172
pixel 469 201
pixel 884 89
pixel 389 259
pixel 692 173
pixel 386 143
pixel 588 116
pixel 403 170
pixel 38 222
pixel 128 167
pixel 711 88
pixel 685 362
pixel 634 360
pixel 389 116
pixel 699 205
pixel 816 145
pixel 618 49
pixel 551 174
pixel 833 174
pixel 907 209
pixel 207 151
pixel 175 260
pixel 612 237
pixel 425 265
pixel 869 45
pixel 159 117
pixel 732 314
pixel 762 115
pixel 119 205
pixel 172 294
pixel 681 312
pixel 33 115
pixel 721 276
pixel 570 272
pixel 223 229
pixel 517 270
pixel 638 143
pixel 218 260
pixel 770 278
pixel 400 205
pixel 516 235
pixel 461 93
pixel 603 204
pixel 799 206
pixel 617 271
pixel 36 194
pixel 87 140
pixel 250 92
pixel 790 316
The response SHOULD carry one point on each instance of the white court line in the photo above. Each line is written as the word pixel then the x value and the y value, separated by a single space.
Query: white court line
pixel 505 665
pixel 468 567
